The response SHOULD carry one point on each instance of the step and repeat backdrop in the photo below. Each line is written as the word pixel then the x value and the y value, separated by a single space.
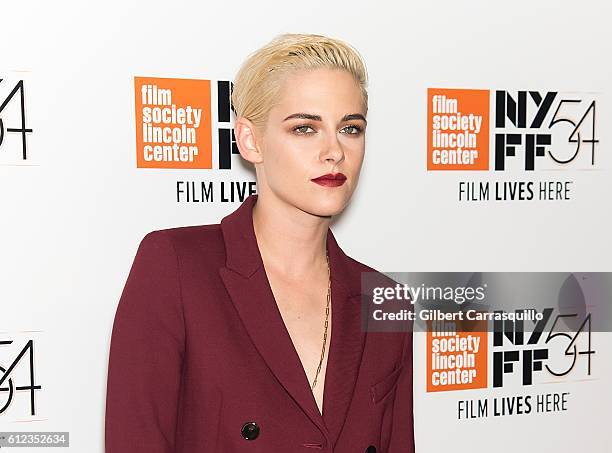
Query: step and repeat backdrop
pixel 488 150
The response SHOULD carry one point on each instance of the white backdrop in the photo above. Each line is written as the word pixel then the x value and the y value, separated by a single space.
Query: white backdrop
pixel 74 211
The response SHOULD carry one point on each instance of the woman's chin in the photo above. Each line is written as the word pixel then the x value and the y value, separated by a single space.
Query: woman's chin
pixel 327 205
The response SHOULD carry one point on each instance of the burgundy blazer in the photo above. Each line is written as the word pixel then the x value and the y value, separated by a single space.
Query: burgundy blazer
pixel 201 361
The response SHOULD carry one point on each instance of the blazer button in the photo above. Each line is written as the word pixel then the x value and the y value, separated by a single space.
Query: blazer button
pixel 250 431
pixel 370 449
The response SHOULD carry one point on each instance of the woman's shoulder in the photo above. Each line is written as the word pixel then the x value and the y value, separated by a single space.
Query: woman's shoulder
pixel 187 240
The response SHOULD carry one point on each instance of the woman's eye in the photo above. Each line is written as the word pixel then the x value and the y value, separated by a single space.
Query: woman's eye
pixel 301 129
pixel 355 130
pixel 307 130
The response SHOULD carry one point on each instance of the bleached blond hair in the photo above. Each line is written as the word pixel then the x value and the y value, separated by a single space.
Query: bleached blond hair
pixel 259 80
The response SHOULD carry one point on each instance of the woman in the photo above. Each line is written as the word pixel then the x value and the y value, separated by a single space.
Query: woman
pixel 246 335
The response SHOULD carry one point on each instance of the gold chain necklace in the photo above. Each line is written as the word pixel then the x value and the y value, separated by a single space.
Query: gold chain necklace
pixel 326 321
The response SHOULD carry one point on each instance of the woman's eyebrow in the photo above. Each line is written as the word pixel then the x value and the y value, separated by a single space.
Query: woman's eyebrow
pixel 309 116
pixel 354 116
pixel 304 116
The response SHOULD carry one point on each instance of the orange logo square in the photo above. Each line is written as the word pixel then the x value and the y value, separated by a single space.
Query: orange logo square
pixel 173 123
pixel 456 355
pixel 457 129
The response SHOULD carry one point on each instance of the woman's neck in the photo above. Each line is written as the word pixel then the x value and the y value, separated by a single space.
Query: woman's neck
pixel 290 240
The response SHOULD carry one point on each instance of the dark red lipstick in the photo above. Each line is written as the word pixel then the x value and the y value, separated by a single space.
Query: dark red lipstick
pixel 330 180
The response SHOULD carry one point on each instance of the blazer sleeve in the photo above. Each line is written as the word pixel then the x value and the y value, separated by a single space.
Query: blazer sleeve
pixel 146 353
pixel 402 431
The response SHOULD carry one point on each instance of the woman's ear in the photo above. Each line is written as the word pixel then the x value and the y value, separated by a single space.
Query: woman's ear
pixel 246 140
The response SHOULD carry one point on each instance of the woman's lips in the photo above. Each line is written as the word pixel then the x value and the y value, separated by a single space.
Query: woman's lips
pixel 330 180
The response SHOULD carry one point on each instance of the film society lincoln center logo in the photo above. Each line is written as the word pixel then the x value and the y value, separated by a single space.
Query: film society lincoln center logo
pixel 173 123
pixel 458 122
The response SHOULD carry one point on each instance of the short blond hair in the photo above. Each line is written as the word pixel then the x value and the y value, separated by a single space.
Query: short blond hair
pixel 259 79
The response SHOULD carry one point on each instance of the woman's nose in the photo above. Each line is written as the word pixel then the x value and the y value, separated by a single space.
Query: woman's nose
pixel 333 150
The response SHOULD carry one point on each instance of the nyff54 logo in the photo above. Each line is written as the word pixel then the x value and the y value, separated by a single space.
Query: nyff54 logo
pixel 17 374
pixel 554 346
pixel 15 128
pixel 528 130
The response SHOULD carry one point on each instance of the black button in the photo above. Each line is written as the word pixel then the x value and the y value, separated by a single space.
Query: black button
pixel 250 431
pixel 371 449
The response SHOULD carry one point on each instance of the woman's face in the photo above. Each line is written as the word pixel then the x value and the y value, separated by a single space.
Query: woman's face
pixel 316 129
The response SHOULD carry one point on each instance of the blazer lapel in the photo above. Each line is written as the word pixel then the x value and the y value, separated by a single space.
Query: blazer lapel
pixel 347 339
pixel 248 286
